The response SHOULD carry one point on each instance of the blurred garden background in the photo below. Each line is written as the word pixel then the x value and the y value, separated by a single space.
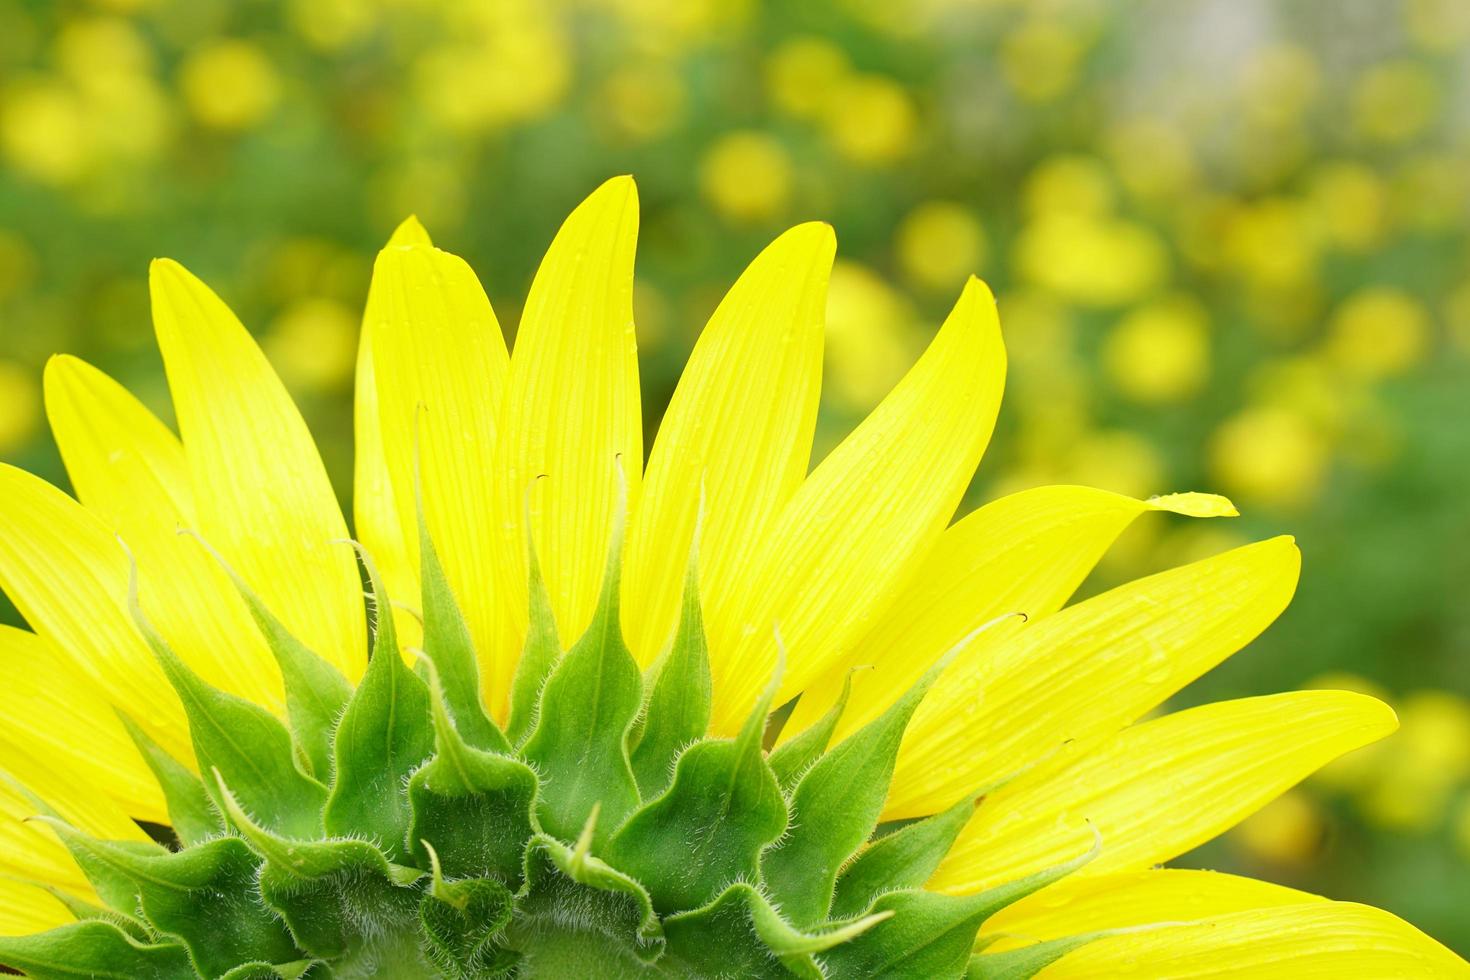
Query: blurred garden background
pixel 1230 240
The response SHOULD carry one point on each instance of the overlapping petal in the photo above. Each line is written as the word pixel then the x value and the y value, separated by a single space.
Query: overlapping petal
pixel 857 530
pixel 736 437
pixel 1159 788
pixel 572 415
pixel 262 496
pixel 1084 672
pixel 440 364
pixel 1024 553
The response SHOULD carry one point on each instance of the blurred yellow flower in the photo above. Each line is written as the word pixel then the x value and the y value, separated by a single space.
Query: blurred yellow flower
pixel 1351 205
pixel 1117 460
pixel 870 336
pixel 1269 455
pixel 1153 159
pixel 229 84
pixel 746 176
pixel 1041 58
pixel 1395 101
pixel 641 101
pixel 331 24
pixel 871 120
pixel 938 244
pixel 43 131
pixel 20 405
pixel 1442 26
pixel 313 344
pixel 1160 352
pixel 1069 184
pixel 1273 243
pixel 1288 830
pixel 1424 765
pixel 1098 262
pixel 1355 771
pixel 1279 83
pixel 803 74
pixel 1378 332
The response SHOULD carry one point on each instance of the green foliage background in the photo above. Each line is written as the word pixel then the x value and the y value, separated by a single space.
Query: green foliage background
pixel 1231 241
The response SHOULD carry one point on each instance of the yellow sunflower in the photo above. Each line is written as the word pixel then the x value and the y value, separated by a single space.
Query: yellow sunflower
pixel 206 774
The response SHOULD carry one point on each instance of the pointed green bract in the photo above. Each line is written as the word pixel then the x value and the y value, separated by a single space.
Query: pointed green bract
pixel 190 813
pixel 384 736
pixel 539 655
pixel 447 642
pixel 791 760
pixel 580 742
pixel 203 897
pixel 678 709
pixel 835 807
pixel 472 810
pixel 709 828
pixel 94 949
pixel 903 859
pixel 315 690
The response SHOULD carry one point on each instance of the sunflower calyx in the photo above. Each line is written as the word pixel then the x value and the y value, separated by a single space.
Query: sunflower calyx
pixel 394 829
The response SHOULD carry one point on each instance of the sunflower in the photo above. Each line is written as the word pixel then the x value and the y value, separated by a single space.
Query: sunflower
pixel 722 714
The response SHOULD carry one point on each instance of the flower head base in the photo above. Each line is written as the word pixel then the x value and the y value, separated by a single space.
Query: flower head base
pixel 560 758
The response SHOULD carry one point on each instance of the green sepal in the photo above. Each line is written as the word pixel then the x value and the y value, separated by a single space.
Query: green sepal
pixel 903 859
pixel 190 814
pixel 539 655
pixel 678 709
pixel 94 949
pixel 931 934
pixel 588 705
pixel 295 970
pixel 473 808
pixel 460 923
pixel 384 735
pixel 791 759
pixel 242 740
pixel 740 934
pixel 333 895
pixel 1028 961
pixel 572 890
pixel 835 807
pixel 448 643
pixel 203 896
pixel 708 829
pixel 315 689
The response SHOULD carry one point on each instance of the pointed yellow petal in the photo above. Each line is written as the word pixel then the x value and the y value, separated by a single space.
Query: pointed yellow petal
pixel 67 574
pixel 571 413
pixel 128 468
pixel 1085 672
pixel 1024 553
pixel 25 909
pixel 861 524
pixel 261 493
pixel 1316 941
pixel 1159 788
pixel 57 721
pixel 440 363
pixel 737 435
pixel 1079 904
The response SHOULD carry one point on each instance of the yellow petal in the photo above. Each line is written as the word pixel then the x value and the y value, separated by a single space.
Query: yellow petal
pixel 861 524
pixel 1024 553
pixel 66 573
pixel 1316 941
pixel 261 493
pixel 57 721
pixel 25 909
pixel 129 469
pixel 737 435
pixel 1083 673
pixel 440 363
pixel 1159 788
pixel 571 413
pixel 1080 904
pixel 375 510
